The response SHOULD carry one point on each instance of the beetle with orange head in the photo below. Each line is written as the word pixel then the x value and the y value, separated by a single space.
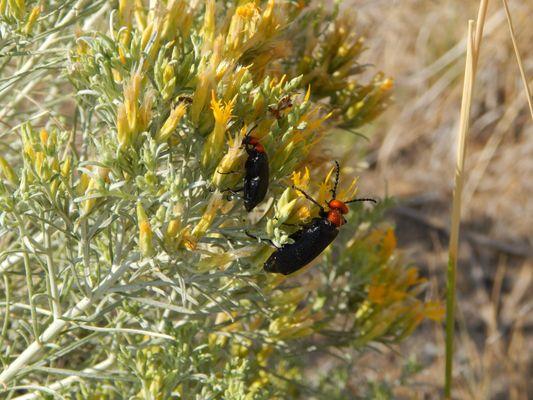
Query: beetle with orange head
pixel 313 238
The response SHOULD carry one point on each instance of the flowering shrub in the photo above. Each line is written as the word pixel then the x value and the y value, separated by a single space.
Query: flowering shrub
pixel 126 269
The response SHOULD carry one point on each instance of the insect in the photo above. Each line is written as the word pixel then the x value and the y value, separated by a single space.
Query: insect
pixel 257 173
pixel 185 99
pixel 313 238
pixel 284 103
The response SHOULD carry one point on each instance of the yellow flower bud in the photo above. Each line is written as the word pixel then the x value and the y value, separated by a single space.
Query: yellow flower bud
pixel 140 14
pixel 434 311
pixel 89 204
pixel 123 132
pixel 131 98
pixel 145 232
pixel 34 14
pixel 200 96
pixel 8 172
pixel 117 76
pixel 168 73
pixel 39 163
pixel 18 8
pixel 54 166
pixel 214 206
pixel 171 123
pixel 83 183
pixel 173 228
pixel 173 236
pixel 125 12
pixel 389 244
pixel 147 33
pixel 151 35
pixel 43 135
pixel 208 29
pixel 285 206
pixel 387 84
pixel 121 56
pixel 145 113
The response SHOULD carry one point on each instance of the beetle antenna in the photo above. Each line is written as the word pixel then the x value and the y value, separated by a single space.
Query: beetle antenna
pixel 253 128
pixel 248 134
pixel 337 173
pixel 308 197
pixel 363 199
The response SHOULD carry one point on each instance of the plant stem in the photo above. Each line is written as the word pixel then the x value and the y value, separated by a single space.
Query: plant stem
pixel 102 366
pixel 29 64
pixel 85 255
pixel 456 207
pixel 472 56
pixel 6 315
pixel 58 325
pixel 29 281
pixel 54 294
pixel 518 57
pixel 13 259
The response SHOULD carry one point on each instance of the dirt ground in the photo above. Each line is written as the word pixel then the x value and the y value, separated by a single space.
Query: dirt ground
pixel 421 44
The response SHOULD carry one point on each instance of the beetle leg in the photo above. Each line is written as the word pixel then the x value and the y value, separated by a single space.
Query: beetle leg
pixel 226 173
pixel 261 239
pixel 233 192
pixel 286 224
pixel 298 225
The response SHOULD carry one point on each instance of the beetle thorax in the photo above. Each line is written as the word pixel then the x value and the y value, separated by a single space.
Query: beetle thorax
pixel 336 211
pixel 335 217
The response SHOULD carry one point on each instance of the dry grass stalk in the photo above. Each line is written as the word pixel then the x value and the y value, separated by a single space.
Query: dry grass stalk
pixel 471 56
pixel 473 46
pixel 518 57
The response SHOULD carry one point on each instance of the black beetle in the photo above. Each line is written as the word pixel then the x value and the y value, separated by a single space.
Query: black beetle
pixel 313 238
pixel 257 172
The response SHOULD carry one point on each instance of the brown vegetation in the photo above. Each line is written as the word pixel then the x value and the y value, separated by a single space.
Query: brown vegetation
pixel 422 44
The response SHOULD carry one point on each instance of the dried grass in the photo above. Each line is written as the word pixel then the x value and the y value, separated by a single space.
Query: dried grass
pixel 422 45
pixel 473 45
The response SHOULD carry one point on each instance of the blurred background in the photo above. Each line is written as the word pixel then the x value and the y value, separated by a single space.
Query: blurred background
pixel 421 44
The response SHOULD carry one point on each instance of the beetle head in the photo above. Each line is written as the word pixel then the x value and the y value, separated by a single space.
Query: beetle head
pixel 336 208
pixel 253 142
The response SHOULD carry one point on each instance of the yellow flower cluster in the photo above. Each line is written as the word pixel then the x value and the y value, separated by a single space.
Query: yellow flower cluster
pixel 40 152
pixel 392 306
pixel 133 116
pixel 23 12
